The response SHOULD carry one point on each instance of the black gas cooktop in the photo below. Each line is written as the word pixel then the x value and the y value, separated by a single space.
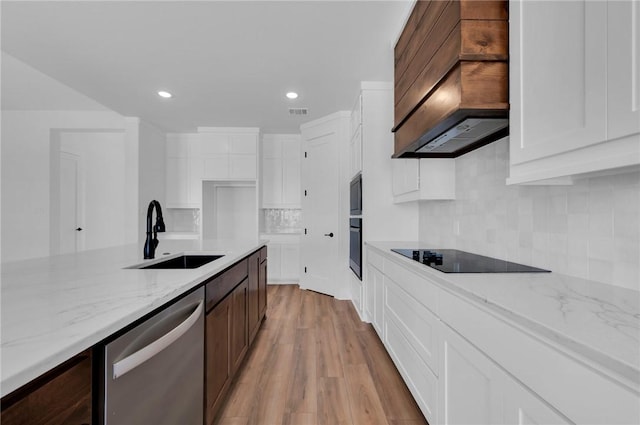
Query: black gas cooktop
pixel 454 261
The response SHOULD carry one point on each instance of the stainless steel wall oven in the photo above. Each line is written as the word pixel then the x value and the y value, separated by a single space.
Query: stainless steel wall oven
pixel 355 246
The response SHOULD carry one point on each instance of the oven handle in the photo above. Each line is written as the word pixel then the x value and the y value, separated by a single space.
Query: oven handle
pixel 142 355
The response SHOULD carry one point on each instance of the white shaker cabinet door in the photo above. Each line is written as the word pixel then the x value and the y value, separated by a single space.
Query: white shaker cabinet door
pixel 214 167
pixel 558 77
pixel 274 271
pixel 368 304
pixel 471 385
pixel 291 181
pixel 623 83
pixel 290 262
pixel 177 181
pixel 272 182
pixel 242 167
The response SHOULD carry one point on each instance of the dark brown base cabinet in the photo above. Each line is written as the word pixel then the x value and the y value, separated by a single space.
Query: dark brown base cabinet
pixel 262 283
pixel 60 397
pixel 257 290
pixel 235 308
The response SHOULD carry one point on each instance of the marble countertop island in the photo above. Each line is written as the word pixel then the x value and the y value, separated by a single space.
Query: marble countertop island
pixel 55 307
pixel 597 321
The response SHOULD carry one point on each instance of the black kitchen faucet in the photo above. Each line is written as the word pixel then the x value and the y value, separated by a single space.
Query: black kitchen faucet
pixel 152 234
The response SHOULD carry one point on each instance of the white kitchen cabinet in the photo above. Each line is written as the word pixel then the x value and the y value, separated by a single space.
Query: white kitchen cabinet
pixel 355 153
pixel 291 172
pixel 572 89
pixel 290 261
pixel 419 378
pixel 623 71
pixel 355 134
pixel 374 290
pixel 284 258
pixel 466 363
pixel 177 182
pixel 522 407
pixel 183 181
pixel 355 121
pixel 228 153
pixel 475 390
pixel 470 385
pixel 281 171
pixel 423 179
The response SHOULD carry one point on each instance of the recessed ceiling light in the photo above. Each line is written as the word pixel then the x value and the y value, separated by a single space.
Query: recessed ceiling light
pixel 292 95
pixel 164 94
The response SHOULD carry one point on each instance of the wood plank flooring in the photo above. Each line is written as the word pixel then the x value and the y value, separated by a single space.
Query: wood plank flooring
pixel 315 363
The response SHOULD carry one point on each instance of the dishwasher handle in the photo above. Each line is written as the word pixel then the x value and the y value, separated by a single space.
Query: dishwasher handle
pixel 142 355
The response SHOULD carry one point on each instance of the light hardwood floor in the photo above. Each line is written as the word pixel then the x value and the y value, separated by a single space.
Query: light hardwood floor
pixel 314 362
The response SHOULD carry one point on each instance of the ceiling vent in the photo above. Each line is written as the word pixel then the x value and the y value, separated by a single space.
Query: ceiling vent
pixel 298 111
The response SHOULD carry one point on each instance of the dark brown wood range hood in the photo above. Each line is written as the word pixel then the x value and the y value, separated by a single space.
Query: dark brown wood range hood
pixel 451 78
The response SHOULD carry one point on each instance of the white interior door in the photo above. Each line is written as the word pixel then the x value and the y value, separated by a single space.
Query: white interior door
pixel 70 201
pixel 320 210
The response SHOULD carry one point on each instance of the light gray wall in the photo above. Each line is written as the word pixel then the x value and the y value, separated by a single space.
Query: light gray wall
pixel 590 229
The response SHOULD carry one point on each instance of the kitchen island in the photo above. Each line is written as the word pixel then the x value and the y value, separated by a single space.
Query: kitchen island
pixel 55 307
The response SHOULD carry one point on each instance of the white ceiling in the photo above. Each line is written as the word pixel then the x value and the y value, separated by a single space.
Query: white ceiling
pixel 228 63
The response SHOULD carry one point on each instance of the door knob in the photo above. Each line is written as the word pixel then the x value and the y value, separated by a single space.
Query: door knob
pixel 79 229
pixel 329 234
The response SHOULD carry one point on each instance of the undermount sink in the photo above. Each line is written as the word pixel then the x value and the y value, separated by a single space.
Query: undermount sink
pixel 181 262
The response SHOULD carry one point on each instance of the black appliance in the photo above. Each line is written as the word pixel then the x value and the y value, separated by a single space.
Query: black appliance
pixel 455 261
pixel 356 196
pixel 355 246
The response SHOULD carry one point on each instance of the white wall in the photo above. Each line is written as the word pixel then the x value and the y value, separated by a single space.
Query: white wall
pixel 152 166
pixel 26 159
pixel 36 110
pixel 103 159
pixel 590 229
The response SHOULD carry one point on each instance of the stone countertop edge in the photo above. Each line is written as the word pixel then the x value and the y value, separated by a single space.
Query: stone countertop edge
pixel 596 323
pixel 53 308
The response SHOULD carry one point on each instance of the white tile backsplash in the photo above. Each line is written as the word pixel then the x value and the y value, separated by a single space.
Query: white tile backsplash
pixel 590 229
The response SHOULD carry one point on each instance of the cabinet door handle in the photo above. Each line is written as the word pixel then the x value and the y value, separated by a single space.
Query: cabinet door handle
pixel 329 234
pixel 142 355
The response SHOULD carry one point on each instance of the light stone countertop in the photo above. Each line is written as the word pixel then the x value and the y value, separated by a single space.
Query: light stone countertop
pixel 55 307
pixel 599 322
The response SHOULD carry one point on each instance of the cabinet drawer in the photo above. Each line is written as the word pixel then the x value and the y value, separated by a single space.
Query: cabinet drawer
pixel 416 286
pixel 418 325
pixel 220 286
pixel 418 377
pixel 576 390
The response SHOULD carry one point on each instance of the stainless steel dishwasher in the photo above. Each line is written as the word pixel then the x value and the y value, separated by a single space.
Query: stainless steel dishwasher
pixel 154 373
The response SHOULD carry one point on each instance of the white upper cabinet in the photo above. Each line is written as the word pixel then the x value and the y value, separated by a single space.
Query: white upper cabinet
pixel 623 74
pixel 183 183
pixel 281 171
pixel 423 179
pixel 211 154
pixel 573 88
pixel 228 153
pixel 355 144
